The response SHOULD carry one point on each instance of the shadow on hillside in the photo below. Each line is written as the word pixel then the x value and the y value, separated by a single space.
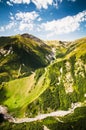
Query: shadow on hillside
pixel 1 118
pixel 3 95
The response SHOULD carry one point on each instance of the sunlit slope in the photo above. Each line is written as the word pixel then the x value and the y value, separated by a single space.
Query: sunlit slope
pixel 56 86
pixel 67 77
pixel 17 94
pixel 22 54
pixel 77 48
pixel 58 47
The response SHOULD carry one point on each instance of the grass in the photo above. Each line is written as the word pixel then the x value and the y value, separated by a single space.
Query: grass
pixel 55 96
pixel 43 91
pixel 21 92
pixel 43 86
pixel 78 50
pixel 74 121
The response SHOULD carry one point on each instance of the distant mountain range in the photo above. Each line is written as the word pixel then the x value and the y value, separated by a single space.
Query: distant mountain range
pixel 38 77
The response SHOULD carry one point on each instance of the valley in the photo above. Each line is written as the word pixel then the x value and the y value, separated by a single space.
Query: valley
pixel 42 82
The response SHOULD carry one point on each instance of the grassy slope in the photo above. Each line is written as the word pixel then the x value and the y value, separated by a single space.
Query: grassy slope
pixel 17 94
pixel 44 93
pixel 77 48
pixel 71 87
pixel 20 55
pixel 78 122
pixel 26 55
pixel 59 47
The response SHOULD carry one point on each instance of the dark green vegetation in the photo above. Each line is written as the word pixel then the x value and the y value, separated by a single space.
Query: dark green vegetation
pixel 40 78
pixel 75 121
pixel 19 55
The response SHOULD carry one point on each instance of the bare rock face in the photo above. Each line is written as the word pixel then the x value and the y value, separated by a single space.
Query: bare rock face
pixel 26 35
pixel 3 109
pixel 4 115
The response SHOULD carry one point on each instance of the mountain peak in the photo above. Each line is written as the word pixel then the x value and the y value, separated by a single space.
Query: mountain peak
pixel 26 35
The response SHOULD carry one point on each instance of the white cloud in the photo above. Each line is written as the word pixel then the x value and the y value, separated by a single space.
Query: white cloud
pixel 26 16
pixel 21 21
pixel 10 25
pixel 29 22
pixel 39 3
pixel 42 3
pixel 39 19
pixel 2 29
pixel 9 3
pixel 24 20
pixel 65 25
pixel 56 2
pixel 11 16
pixel 20 1
pixel 25 26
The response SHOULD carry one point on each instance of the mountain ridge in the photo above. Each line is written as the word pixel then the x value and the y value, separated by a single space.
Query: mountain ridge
pixel 55 84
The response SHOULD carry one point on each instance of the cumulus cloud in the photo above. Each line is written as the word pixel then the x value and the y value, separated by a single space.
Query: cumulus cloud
pixel 21 21
pixel 10 25
pixel 2 29
pixel 26 20
pixel 65 25
pixel 56 2
pixel 26 26
pixel 29 21
pixel 39 3
pixel 9 3
pixel 42 3
pixel 26 16
pixel 39 19
pixel 20 1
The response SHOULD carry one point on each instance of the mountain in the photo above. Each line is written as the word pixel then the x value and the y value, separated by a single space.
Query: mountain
pixel 22 54
pixel 38 77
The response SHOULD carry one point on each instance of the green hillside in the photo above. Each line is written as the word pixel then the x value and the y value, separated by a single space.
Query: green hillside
pixel 39 77
pixel 67 77
pixel 58 47
pixel 20 55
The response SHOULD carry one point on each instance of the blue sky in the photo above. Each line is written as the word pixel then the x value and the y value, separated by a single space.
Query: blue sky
pixel 46 19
